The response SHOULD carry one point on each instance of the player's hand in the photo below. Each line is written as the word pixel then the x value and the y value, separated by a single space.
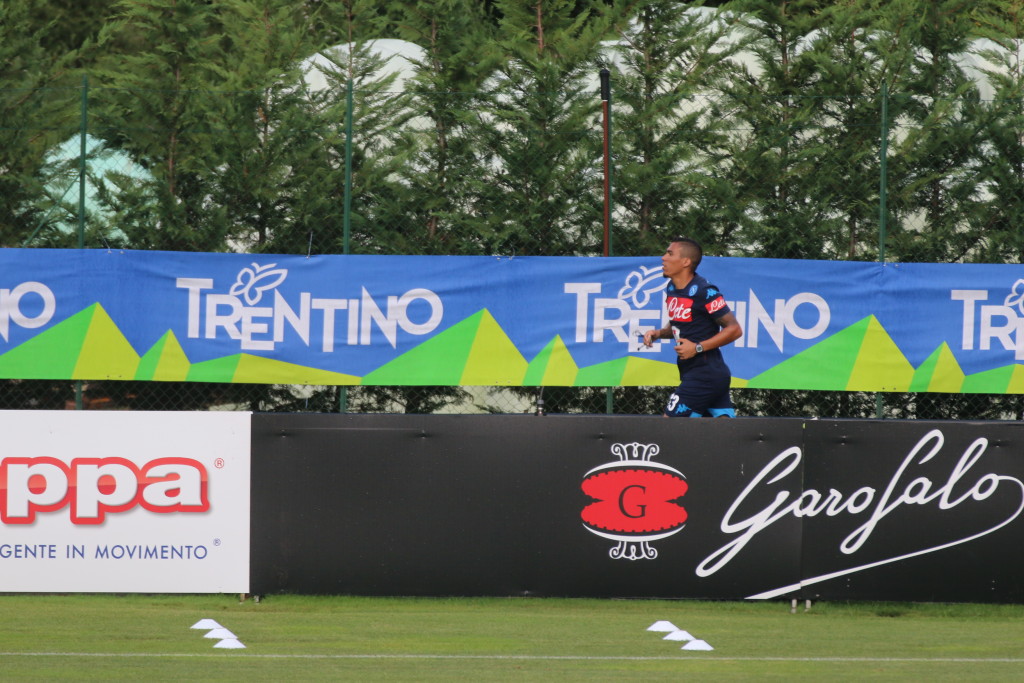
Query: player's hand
pixel 650 336
pixel 686 349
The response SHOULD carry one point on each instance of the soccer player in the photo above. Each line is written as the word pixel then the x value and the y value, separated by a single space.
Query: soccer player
pixel 701 323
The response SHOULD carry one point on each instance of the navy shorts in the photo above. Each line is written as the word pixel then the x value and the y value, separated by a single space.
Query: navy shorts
pixel 703 392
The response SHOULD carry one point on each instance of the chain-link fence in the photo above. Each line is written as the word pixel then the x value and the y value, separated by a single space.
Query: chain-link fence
pixel 352 166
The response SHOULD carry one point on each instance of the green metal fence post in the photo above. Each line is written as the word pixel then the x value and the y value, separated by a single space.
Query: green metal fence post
pixel 347 216
pixel 882 186
pixel 882 207
pixel 83 128
pixel 347 208
pixel 82 165
pixel 606 108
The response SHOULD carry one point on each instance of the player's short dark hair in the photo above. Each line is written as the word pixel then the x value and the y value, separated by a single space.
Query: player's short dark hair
pixel 696 252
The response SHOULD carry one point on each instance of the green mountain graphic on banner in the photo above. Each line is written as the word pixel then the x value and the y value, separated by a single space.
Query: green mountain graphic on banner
pixel 939 372
pixel 629 371
pixel 1008 379
pixel 477 352
pixel 164 362
pixel 216 370
pixel 51 354
pixel 105 353
pixel 553 366
pixel 259 370
pixel 88 345
pixel 861 357
pixel 473 352
pixel 640 372
pixel 243 368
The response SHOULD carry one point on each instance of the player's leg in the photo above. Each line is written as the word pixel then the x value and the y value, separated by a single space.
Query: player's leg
pixel 680 404
pixel 722 405
pixel 699 393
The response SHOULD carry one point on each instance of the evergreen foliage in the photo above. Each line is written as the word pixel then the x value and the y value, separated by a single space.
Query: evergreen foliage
pixel 668 134
pixel 936 195
pixel 39 102
pixel 539 190
pixel 153 105
pixel 753 125
pixel 1002 138
pixel 459 54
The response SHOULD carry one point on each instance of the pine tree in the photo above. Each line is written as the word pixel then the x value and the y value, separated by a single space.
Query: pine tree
pixel 68 25
pixel 267 158
pixel 665 138
pixel 39 107
pixel 458 56
pixel 1002 146
pixel 380 145
pixel 847 131
pixel 539 190
pixel 154 105
pixel 935 152
pixel 773 152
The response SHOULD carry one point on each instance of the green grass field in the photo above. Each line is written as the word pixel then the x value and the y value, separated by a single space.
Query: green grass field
pixel 149 637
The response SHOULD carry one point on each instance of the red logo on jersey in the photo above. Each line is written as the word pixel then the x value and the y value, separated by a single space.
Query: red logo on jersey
pixel 679 309
pixel 716 304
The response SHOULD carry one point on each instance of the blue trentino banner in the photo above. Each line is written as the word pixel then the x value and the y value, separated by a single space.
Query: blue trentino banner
pixel 520 321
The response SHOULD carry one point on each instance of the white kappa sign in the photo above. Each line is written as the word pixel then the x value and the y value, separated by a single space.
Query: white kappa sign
pixel 149 502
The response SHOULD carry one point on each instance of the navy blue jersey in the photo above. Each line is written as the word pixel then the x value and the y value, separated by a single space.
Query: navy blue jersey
pixel 693 312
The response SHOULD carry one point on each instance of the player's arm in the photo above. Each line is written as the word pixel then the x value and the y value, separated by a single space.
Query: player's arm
pixel 663 333
pixel 729 331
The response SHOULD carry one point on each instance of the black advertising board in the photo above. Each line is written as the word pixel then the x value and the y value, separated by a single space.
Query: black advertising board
pixel 521 505
pixel 913 510
pixel 616 506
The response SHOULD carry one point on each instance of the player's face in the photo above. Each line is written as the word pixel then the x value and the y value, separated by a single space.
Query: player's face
pixel 673 262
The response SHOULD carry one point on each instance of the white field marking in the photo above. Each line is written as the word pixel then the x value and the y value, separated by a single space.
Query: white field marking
pixel 679 658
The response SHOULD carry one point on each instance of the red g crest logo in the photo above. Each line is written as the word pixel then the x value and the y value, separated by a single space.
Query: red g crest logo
pixel 635 501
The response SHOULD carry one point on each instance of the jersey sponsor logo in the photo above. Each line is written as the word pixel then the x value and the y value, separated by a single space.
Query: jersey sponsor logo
pixel 715 305
pixel 679 309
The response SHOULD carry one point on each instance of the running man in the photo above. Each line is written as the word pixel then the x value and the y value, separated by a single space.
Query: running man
pixel 701 323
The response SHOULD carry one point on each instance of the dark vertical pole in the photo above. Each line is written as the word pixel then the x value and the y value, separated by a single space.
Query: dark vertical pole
pixel 82 165
pixel 883 192
pixel 347 210
pixel 82 168
pixel 606 110
pixel 347 215
pixel 883 209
